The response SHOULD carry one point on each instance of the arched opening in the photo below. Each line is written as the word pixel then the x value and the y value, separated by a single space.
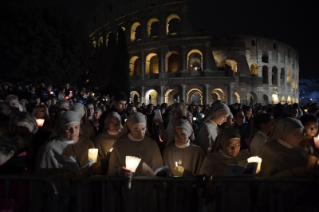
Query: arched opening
pixel 232 64
pixel 288 76
pixel 195 60
pixel 153 28
pixel 265 74
pixel 107 39
pixel 152 64
pixel 219 93
pixel 151 97
pixel 293 100
pixel 172 62
pixel 265 100
pixel 254 69
pixel 289 100
pixel 135 96
pixel 135 66
pixel 100 42
pixel 195 96
pixel 172 24
pixel 251 99
pixel 135 32
pixel 274 75
pixel 274 99
pixel 172 96
pixel 282 75
pixel 283 100
pixel 237 97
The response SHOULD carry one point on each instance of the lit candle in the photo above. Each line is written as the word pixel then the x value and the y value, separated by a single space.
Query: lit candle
pixel 111 149
pixel 255 159
pixel 66 97
pixel 316 140
pixel 132 163
pixel 40 122
pixel 194 118
pixel 93 154
pixel 125 120
pixel 203 116
pixel 178 170
pixel 71 91
pixel 306 111
pixel 51 92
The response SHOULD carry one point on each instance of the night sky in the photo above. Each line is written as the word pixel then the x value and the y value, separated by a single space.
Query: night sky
pixel 292 22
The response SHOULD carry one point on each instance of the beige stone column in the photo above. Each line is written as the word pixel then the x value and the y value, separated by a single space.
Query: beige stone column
pixel 142 95
pixel 206 94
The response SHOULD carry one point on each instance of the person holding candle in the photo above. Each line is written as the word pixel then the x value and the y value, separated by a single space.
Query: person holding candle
pixel 134 142
pixel 66 141
pixel 262 124
pixel 208 129
pixel 41 112
pixel 105 140
pixel 216 163
pixel 310 142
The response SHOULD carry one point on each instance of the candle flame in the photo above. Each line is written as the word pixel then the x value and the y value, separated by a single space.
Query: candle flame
pixel 176 164
pixel 318 137
pixel 111 149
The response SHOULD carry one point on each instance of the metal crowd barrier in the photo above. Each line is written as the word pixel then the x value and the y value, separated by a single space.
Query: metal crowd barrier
pixel 35 184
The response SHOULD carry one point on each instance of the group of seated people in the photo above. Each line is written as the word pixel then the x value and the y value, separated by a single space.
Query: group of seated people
pixel 285 146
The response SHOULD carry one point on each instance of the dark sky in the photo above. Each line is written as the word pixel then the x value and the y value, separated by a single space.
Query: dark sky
pixel 292 22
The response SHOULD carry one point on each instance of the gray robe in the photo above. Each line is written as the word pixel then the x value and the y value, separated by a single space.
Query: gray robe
pixel 206 137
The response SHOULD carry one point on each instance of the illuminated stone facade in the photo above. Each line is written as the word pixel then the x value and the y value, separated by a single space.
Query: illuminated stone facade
pixel 169 62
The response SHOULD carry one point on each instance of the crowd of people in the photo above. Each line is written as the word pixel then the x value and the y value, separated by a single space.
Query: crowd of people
pixel 200 139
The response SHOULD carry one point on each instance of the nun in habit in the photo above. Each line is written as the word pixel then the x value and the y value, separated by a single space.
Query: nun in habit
pixel 134 142
pixel 86 127
pixel 216 164
pixel 208 129
pixel 66 142
pixel 104 141
pixel 283 157
pixel 183 153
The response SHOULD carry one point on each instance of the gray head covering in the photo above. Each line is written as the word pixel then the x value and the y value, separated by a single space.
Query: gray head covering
pixel 134 118
pixel 224 136
pixel 66 118
pixel 183 123
pixel 218 109
pixel 111 115
pixel 79 108
pixel 284 127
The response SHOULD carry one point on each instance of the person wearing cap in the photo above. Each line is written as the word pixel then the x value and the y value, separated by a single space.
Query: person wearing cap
pixel 86 127
pixel 134 142
pixel 216 164
pixel 208 129
pixel 105 140
pixel 183 151
pixel 66 141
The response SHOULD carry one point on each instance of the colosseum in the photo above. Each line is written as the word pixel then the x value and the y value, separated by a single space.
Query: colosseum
pixel 170 62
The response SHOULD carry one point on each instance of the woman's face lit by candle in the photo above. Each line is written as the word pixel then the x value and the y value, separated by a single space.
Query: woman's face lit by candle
pixel 138 131
pixel 221 119
pixel 71 131
pixel 311 129
pixel 180 136
pixel 294 138
pixel 114 125
pixel 232 147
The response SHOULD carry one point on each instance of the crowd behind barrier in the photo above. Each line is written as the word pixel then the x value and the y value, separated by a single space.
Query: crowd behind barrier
pixel 184 151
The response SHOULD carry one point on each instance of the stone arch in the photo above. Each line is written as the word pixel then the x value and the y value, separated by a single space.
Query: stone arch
pixel 237 97
pixel 232 64
pixel 265 74
pixel 152 64
pixel 274 99
pixel 194 63
pixel 151 97
pixel 289 100
pixel 220 94
pixel 172 62
pixel 288 76
pixel 274 76
pixel 254 69
pixel 168 19
pixel 133 31
pixel 265 100
pixel 149 27
pixel 135 66
pixel 283 100
pixel 169 96
pixel 135 96
pixel 251 98
pixel 195 95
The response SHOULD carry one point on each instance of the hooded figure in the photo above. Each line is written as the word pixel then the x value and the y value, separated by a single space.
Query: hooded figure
pixel 134 142
pixel 86 127
pixel 208 129
pixel 48 92
pixel 105 140
pixel 68 142
pixel 216 164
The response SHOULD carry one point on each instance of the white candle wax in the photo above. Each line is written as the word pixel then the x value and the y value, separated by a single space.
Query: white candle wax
pixel 40 122
pixel 255 159
pixel 316 140
pixel 93 152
